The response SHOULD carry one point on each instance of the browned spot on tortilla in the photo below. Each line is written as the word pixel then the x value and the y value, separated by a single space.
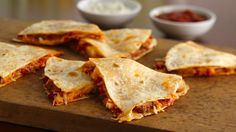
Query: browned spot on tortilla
pixel 115 65
pixel 166 83
pixel 129 37
pixel 78 69
pixel 72 74
pixel 142 82
pixel 59 60
pixel 136 74
pixel 116 83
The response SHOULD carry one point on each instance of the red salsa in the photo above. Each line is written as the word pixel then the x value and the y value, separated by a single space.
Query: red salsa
pixel 182 16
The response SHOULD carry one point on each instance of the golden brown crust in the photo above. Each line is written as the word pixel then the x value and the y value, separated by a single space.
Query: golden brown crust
pixel 197 71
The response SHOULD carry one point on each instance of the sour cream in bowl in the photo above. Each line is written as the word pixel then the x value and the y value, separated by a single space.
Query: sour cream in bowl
pixel 109 13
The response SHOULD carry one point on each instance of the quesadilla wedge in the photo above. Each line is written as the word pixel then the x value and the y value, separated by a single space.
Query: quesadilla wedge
pixel 16 61
pixel 132 90
pixel 121 43
pixel 191 59
pixel 55 32
pixel 64 82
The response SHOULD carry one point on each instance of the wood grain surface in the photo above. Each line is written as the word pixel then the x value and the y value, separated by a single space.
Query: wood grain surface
pixel 208 106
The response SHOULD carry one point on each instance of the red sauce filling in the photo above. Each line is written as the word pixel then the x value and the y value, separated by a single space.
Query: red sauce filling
pixel 182 16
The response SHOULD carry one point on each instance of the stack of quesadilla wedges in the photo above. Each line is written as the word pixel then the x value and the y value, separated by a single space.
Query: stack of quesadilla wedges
pixel 129 89
pixel 89 39
pixel 120 43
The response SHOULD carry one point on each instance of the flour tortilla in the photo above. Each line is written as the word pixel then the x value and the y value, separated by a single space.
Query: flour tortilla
pixel 129 83
pixel 54 32
pixel 190 54
pixel 121 42
pixel 13 57
pixel 66 74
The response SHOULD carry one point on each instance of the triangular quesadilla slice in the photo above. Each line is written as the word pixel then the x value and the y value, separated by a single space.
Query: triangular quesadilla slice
pixel 132 90
pixel 64 82
pixel 16 61
pixel 55 32
pixel 121 43
pixel 191 59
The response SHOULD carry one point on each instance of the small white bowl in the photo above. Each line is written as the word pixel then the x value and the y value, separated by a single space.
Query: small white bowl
pixel 183 30
pixel 109 20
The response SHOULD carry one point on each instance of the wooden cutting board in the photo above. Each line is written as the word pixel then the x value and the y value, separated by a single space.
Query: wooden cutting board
pixel 210 104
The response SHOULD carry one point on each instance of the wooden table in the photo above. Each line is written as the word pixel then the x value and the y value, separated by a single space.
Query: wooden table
pixel 222 34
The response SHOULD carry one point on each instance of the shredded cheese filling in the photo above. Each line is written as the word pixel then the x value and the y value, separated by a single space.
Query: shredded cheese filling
pixel 197 71
pixel 59 97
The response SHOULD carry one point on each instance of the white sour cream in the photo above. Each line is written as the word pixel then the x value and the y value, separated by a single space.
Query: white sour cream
pixel 108 7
